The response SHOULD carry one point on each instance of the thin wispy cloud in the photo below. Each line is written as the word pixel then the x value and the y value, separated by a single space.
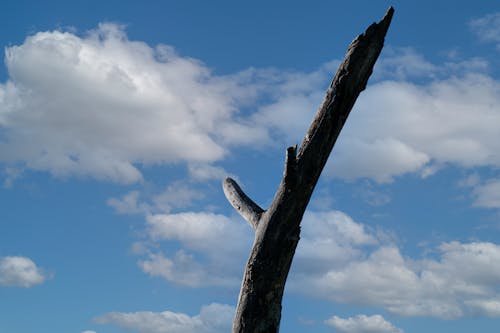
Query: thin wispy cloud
pixel 487 28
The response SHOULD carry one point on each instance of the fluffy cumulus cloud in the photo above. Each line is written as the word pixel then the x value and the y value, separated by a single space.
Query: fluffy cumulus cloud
pixel 329 239
pixel 206 255
pixel 414 117
pixel 18 271
pixel 213 318
pixel 362 324
pixel 337 258
pixel 418 287
pixel 399 127
pixel 101 105
pixel 213 248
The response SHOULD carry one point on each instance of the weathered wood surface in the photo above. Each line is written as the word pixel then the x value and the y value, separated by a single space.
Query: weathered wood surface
pixel 277 229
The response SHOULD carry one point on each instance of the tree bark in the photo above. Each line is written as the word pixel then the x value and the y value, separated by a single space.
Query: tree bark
pixel 277 229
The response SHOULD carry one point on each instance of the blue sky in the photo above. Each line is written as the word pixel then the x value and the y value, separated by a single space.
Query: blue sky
pixel 119 121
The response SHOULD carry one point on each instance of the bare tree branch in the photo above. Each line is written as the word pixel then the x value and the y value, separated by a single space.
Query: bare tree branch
pixel 277 230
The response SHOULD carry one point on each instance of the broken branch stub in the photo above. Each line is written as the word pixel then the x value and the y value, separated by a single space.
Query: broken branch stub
pixel 241 202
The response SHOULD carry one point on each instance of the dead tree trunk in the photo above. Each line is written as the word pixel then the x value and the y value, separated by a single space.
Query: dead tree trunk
pixel 277 229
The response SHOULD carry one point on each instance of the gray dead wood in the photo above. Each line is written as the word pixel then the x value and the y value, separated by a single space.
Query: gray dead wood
pixel 277 229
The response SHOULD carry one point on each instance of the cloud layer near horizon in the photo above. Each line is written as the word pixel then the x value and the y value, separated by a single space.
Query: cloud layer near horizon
pixel 362 324
pixel 213 318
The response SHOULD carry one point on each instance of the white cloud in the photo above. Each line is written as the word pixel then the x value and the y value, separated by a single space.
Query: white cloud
pixel 381 159
pixel 11 174
pixel 439 288
pixel 488 307
pixel 104 106
pixel 295 97
pixel 487 194
pixel 207 256
pixel 182 269
pixel 200 231
pixel 213 318
pixel 176 195
pixel 399 127
pixel 18 271
pixel 404 64
pixel 329 239
pixel 337 258
pixel 487 28
pixel 187 269
pixel 129 204
pixel 101 105
pixel 204 172
pixel 362 324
